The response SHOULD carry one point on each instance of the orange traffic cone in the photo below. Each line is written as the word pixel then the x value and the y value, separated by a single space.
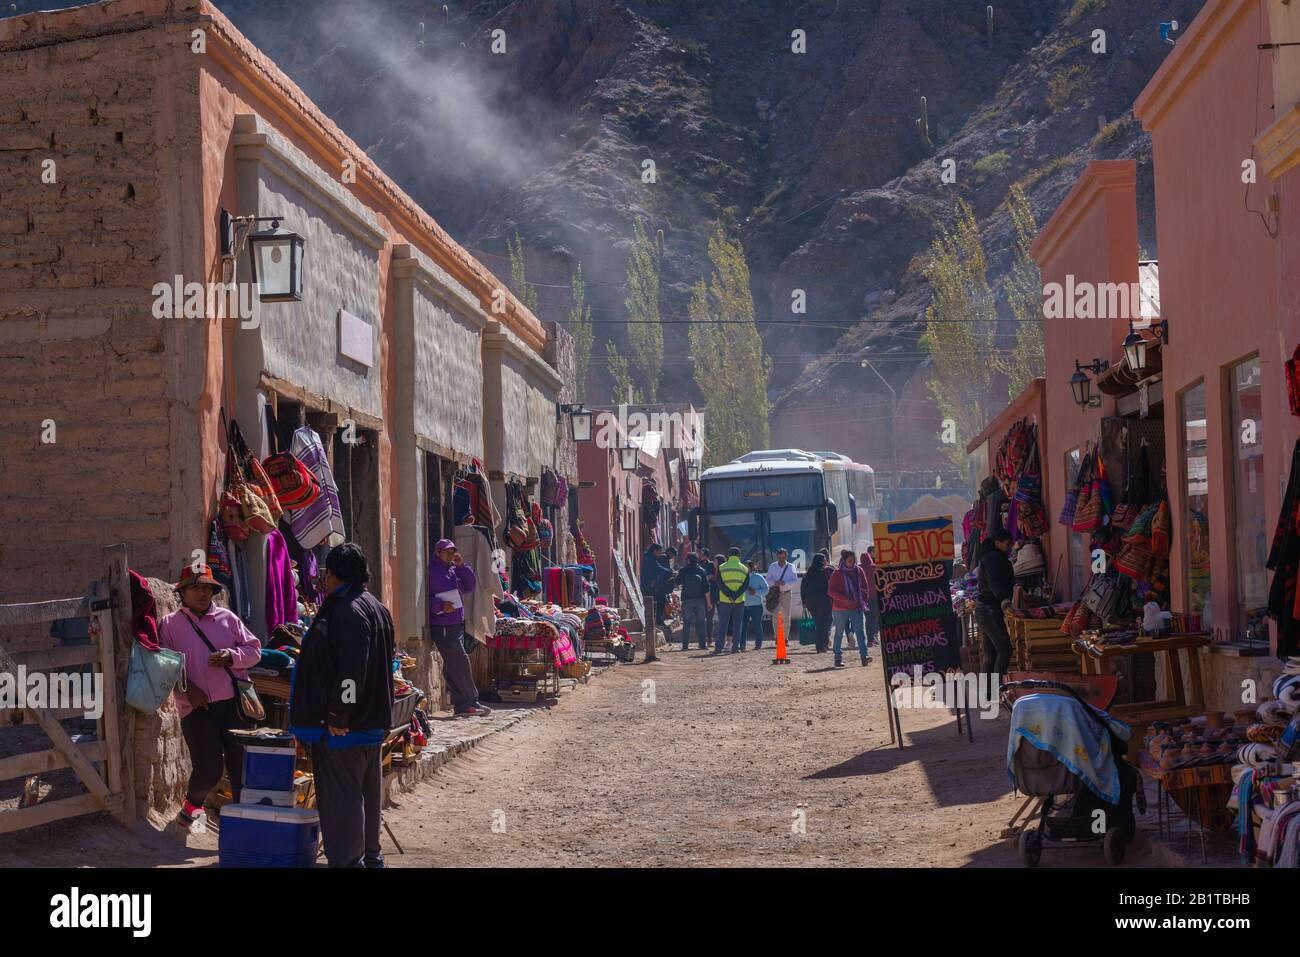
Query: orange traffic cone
pixel 780 658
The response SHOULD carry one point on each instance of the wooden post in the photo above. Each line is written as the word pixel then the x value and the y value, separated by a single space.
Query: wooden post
pixel 116 641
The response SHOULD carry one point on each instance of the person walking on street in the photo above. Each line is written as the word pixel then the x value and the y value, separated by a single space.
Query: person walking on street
pixel 733 580
pixel 997 579
pixel 814 592
pixel 754 603
pixel 848 591
pixel 341 707
pixel 696 603
pixel 654 577
pixel 782 576
pixel 217 649
pixel 450 580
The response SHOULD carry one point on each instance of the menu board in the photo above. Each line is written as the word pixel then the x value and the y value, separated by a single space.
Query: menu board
pixel 917 625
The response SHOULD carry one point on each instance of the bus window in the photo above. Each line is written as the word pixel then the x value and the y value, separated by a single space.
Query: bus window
pixel 795 531
pixel 729 530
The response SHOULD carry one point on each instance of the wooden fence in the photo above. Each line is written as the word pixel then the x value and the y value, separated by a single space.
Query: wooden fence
pixel 104 766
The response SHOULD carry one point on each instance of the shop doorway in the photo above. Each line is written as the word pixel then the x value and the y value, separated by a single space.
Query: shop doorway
pixel 356 472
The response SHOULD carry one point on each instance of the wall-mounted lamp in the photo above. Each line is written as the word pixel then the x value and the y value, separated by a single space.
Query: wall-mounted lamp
pixel 1135 346
pixel 693 471
pixel 1080 384
pixel 580 420
pixel 275 253
pixel 629 457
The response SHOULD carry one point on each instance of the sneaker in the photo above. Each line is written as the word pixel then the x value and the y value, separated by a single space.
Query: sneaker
pixel 866 661
pixel 475 711
pixel 839 664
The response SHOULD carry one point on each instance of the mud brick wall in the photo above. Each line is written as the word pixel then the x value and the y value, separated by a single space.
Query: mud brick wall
pixel 79 344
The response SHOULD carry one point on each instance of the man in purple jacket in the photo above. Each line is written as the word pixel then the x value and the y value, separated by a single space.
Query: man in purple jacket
pixel 450 580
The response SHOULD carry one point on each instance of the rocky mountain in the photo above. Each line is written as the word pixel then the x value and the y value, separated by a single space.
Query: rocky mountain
pixel 815 127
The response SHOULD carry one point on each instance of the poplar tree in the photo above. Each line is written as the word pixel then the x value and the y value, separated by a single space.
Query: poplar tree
pixel 731 370
pixel 961 329
pixel 1023 287
pixel 523 289
pixel 583 332
pixel 645 331
pixel 620 373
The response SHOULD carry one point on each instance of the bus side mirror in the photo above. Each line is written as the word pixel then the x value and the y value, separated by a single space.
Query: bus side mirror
pixel 832 515
pixel 853 509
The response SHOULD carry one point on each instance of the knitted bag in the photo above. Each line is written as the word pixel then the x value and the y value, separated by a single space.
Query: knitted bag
pixel 231 517
pixel 264 487
pixel 256 514
pixel 288 478
pixel 1293 381
pixel 1161 530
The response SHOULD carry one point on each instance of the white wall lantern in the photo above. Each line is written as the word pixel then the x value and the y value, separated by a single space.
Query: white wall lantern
pixel 277 263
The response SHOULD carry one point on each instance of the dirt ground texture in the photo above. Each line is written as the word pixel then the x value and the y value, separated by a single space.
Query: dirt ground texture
pixel 710 765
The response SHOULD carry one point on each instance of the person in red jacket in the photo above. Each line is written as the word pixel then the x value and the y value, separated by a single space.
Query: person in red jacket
pixel 849 589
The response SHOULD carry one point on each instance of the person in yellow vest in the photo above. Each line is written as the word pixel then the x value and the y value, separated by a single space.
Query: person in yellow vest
pixel 733 581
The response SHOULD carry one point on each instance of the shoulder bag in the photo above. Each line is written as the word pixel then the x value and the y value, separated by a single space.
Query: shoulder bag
pixel 247 704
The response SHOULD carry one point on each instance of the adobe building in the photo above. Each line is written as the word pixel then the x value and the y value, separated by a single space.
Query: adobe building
pixel 134 132
pixel 395 335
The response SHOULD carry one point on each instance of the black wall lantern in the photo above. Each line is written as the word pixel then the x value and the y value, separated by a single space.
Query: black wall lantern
pixel 1135 346
pixel 693 472
pixel 629 456
pixel 1080 384
pixel 275 254
pixel 580 420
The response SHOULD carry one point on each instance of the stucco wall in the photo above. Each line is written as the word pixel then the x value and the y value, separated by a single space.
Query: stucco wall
pixel 1217 284
pixel 448 369
pixel 300 340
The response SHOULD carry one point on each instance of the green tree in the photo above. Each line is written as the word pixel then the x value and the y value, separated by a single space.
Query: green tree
pixel 523 289
pixel 731 370
pixel 1023 287
pixel 645 331
pixel 961 329
pixel 584 334
pixel 621 374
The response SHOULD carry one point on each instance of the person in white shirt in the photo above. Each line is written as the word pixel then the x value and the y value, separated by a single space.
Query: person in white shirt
pixel 782 577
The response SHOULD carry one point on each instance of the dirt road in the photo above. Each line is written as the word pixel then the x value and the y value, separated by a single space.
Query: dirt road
pixel 689 761
pixel 710 765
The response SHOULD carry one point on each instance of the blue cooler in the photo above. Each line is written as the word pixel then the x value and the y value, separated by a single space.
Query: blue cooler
pixel 269 767
pixel 265 836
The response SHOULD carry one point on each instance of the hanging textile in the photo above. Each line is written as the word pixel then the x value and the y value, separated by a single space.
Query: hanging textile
pixel 480 605
pixel 322 520
pixel 281 592
pixel 1284 563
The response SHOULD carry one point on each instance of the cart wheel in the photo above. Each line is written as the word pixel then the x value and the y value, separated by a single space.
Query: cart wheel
pixel 1114 845
pixel 1031 847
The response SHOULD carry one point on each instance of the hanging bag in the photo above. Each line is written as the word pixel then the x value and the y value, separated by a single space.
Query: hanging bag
pixel 293 482
pixel 247 704
pixel 1087 516
pixel 151 677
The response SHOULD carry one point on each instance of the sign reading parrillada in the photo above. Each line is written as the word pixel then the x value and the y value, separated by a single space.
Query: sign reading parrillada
pixel 915 540
pixel 918 630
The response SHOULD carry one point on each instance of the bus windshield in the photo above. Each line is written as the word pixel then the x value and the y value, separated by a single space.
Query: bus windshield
pixel 734 529
pixel 793 530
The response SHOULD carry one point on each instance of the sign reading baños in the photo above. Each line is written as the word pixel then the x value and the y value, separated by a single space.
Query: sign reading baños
pixel 918 629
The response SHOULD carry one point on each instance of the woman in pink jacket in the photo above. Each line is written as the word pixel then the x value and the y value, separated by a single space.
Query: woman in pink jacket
pixel 848 591
pixel 216 645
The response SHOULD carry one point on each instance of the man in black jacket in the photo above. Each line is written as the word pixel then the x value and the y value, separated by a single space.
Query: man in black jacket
pixel 696 601
pixel 342 707
pixel 997 579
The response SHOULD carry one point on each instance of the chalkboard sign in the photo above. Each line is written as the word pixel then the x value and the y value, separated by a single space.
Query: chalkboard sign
pixel 917 624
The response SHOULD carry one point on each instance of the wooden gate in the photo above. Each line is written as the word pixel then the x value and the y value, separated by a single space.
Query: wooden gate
pixel 103 766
